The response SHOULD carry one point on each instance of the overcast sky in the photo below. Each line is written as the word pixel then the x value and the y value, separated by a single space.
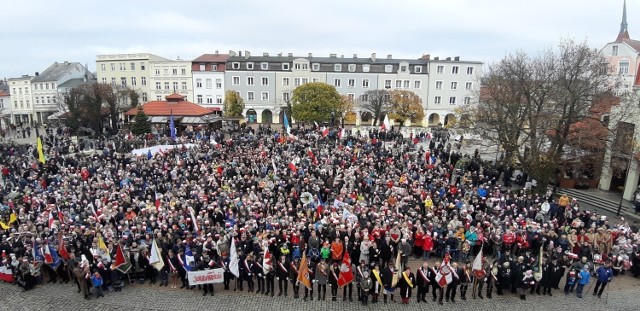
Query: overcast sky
pixel 36 33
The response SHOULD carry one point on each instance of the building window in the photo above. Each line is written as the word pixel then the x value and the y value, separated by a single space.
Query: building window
pixel 158 97
pixel 250 66
pixel 623 67
pixel 113 82
pixel 285 66
pixel 103 67
pixel 337 67
pixel 417 84
pixel 364 97
pixel 305 80
pixel 286 96
pixel 218 83
pixel 614 50
pixel 144 97
pixel 199 99
pixel 47 85
pixel 437 100
pixel 388 68
pixel 157 72
pixel 250 96
pixel 113 67
pixel 366 68
pixel 209 83
pixel 214 67
pixel 440 69
pixel 142 66
pixel 166 72
pixel 203 67
pixel 315 67
pixel 250 81
pixel 174 71
pixel 235 80
pixel 104 80
pixel 305 66
pixel 158 86
pixel 296 66
pixel 133 81
pixel 133 66
pixel 365 83
pixel 398 84
pixel 37 99
pixel 417 69
pixel 452 100
pixel 209 99
pixel 264 66
pixel 285 81
pixel 403 68
pixel 439 85
pixel 454 70
pixel 143 80
pixel 351 83
pixel 469 70
pixel 387 84
pixel 468 86
pixel 198 83
pixel 337 82
pixel 235 65
pixel 218 99
pixel 167 86
pixel 352 67
pixel 296 82
pixel 265 96
pixel 184 85
pixel 265 81
pixel 183 71
pixel 351 96
pixel 123 67
pixel 454 85
pixel 406 84
pixel 467 100
pixel 175 86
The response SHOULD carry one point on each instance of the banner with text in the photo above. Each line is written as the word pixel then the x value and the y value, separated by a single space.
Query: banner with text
pixel 205 276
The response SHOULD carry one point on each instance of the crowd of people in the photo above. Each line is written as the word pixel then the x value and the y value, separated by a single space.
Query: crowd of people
pixel 384 199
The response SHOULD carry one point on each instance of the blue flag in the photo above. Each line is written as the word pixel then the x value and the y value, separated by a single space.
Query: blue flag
pixel 172 128
pixel 56 259
pixel 189 260
pixel 287 128
pixel 149 155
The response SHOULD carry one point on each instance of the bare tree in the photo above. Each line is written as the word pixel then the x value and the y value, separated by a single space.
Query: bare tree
pixel 377 102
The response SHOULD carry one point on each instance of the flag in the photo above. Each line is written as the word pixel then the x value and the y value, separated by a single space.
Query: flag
pixel 12 219
pixel 478 269
pixel 6 275
pixel 233 259
pixel 341 134
pixel 385 124
pixel 40 151
pixel 172 127
pixel 46 252
pixel 36 253
pixel 311 155
pixel 445 274
pixel 346 271
pixel 193 221
pixel 188 259
pixel 156 257
pixel 51 219
pixel 325 131
pixel 303 272
pixel 149 155
pixel 62 249
pixel 157 202
pixel 119 260
pixel 398 268
pixel 273 164
pixel 53 255
pixel 102 247
pixel 292 167
pixel 287 128
pixel 266 261
pixel 315 123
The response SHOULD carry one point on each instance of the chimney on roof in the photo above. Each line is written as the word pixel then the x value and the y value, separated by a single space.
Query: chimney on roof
pixel 37 73
pixel 216 52
pixel 341 55
pixel 425 57
pixel 247 54
pixel 279 54
pixel 290 54
pixel 265 54
pixel 310 54
pixel 448 58
pixel 239 53
pixel 389 56
pixel 355 55
pixel 66 62
pixel 373 57
pixel 333 55
pixel 457 58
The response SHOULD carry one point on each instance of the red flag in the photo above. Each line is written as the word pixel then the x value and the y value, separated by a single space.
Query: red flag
pixel 62 251
pixel 266 262
pixel 60 217
pixel 157 202
pixel 325 131
pixel 445 273
pixel 51 219
pixel 48 258
pixel 119 261
pixel 346 271
pixel 292 167
pixel 310 154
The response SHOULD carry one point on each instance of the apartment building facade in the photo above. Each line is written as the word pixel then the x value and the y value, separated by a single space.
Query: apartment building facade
pixel 21 99
pixel 46 98
pixel 128 70
pixel 208 80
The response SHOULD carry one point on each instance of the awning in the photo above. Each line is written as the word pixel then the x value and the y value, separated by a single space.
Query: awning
pixel 159 119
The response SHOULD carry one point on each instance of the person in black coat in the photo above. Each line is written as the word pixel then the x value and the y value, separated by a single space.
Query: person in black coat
pixel 258 271
pixel 422 281
pixel 334 273
pixel 436 291
pixel 548 271
pixel 387 281
pixel 282 274
pixel 405 283
pixel 450 294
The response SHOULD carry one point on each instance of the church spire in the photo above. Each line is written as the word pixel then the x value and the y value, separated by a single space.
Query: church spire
pixel 624 32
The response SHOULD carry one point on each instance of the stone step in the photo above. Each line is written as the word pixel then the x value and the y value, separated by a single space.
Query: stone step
pixel 600 202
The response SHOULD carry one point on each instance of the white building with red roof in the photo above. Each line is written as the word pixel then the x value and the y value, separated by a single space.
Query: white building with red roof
pixel 208 79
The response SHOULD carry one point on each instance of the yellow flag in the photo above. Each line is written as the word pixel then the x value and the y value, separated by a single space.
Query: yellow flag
pixel 40 152
pixel 303 273
pixel 12 219
pixel 101 244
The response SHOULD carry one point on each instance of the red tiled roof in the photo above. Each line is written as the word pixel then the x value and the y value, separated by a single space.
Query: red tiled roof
pixel 214 58
pixel 174 96
pixel 178 108
pixel 635 44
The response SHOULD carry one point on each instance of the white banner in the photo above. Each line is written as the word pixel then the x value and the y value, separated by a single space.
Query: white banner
pixel 206 276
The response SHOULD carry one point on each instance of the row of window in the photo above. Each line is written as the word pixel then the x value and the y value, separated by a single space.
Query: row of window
pixel 209 98
pixel 43 86
pixel 169 86
pixel 209 83
pixel 123 81
pixel 454 85
pixel 122 66
pixel 316 67
pixel 22 104
pixel 203 67
pixel 452 100
pixel 49 99
pixel 174 71
pixel 454 69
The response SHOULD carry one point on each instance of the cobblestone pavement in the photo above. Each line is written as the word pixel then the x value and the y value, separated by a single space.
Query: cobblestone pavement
pixel 145 297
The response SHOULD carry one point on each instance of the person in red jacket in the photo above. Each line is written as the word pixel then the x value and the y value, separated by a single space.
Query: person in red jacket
pixel 417 243
pixel 427 245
